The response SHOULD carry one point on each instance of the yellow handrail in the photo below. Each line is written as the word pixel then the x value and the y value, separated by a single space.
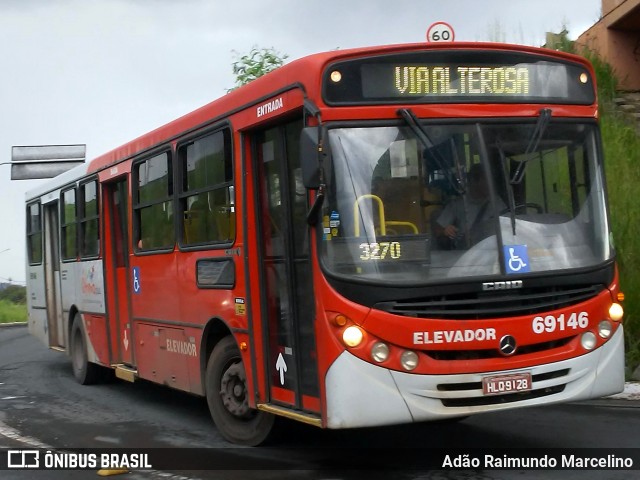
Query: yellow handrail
pixel 383 223
pixel 412 226
pixel 356 217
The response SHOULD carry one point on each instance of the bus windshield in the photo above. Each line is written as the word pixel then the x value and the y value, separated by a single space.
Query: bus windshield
pixel 462 200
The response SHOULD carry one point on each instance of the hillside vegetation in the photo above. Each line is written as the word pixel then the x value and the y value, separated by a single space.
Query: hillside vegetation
pixel 622 156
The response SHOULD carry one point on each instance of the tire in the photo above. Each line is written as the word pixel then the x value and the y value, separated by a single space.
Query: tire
pixel 226 390
pixel 86 373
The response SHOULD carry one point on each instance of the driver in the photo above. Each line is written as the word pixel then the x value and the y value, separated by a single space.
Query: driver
pixel 464 220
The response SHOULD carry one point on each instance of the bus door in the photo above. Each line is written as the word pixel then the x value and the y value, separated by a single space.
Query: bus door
pixel 52 275
pixel 287 301
pixel 116 265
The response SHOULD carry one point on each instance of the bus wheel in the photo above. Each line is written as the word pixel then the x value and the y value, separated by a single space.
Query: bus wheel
pixel 85 372
pixel 226 387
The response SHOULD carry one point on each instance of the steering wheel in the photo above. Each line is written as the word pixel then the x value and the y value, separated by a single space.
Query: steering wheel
pixel 522 207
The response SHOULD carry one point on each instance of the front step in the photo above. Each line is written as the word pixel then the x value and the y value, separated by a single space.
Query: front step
pixel 303 417
pixel 125 372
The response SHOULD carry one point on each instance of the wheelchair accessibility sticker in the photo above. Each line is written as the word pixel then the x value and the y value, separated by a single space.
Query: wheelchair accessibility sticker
pixel 136 280
pixel 516 259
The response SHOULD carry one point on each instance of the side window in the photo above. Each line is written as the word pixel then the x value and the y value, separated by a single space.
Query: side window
pixel 68 214
pixel 207 201
pixel 89 220
pixel 152 205
pixel 34 234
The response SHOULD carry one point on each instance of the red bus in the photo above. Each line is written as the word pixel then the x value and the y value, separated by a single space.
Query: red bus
pixel 362 237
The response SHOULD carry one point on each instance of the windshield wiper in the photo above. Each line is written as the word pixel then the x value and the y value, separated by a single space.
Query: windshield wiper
pixel 534 141
pixel 509 189
pixel 426 142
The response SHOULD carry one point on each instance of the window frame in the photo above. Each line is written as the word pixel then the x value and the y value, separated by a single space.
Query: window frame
pixel 183 193
pixel 64 225
pixel 137 206
pixel 31 233
pixel 83 219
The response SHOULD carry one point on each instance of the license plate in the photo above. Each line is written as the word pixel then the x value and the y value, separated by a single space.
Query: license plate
pixel 501 384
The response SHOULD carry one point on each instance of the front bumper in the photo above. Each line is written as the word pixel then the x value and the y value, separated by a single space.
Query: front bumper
pixel 361 394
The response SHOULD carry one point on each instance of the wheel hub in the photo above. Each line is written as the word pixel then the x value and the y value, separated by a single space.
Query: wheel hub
pixel 233 390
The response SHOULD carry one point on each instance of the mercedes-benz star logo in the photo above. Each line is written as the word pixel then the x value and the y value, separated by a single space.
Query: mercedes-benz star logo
pixel 507 345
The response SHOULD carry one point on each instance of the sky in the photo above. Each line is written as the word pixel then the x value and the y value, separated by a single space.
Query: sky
pixel 102 72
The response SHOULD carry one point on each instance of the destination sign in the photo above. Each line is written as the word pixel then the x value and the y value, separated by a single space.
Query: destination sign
pixel 458 76
pixel 423 80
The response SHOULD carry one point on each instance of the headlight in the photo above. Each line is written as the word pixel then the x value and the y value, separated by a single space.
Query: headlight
pixel 588 340
pixel 380 352
pixel 616 312
pixel 409 360
pixel 605 328
pixel 352 336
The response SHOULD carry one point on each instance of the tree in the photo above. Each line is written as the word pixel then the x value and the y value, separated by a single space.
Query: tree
pixel 256 63
pixel 14 294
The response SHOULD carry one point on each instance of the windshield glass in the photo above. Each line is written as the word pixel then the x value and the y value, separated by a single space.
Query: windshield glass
pixel 463 200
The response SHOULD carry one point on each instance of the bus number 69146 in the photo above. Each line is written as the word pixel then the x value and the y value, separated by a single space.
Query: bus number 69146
pixel 551 323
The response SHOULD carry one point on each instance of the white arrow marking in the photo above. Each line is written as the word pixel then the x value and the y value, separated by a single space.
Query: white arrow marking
pixel 281 366
pixel 126 341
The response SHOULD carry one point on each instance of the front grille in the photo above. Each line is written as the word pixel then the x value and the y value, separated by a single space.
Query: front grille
pixel 484 354
pixel 505 398
pixel 479 305
pixel 459 387
pixel 499 399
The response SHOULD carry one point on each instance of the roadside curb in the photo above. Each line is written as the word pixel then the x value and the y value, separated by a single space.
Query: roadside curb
pixel 631 392
pixel 629 398
pixel 14 324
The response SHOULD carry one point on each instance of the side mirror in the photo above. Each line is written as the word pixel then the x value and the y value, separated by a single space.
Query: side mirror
pixel 310 157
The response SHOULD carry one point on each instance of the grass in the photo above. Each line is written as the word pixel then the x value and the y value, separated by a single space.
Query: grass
pixel 12 312
pixel 622 156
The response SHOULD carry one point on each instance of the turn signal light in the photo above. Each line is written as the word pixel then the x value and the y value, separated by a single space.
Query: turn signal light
pixel 340 320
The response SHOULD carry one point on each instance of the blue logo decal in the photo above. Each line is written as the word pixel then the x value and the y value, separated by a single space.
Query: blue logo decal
pixel 136 280
pixel 516 259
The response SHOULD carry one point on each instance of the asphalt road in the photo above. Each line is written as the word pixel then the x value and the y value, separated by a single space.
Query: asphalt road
pixel 41 405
